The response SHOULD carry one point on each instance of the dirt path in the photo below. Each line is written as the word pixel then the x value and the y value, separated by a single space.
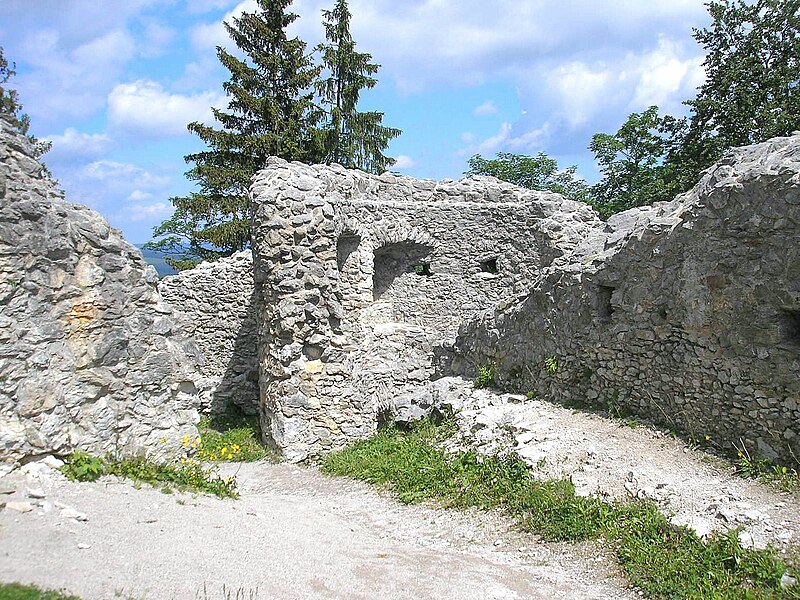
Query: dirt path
pixel 294 533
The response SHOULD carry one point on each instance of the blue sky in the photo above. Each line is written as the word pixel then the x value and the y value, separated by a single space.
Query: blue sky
pixel 113 83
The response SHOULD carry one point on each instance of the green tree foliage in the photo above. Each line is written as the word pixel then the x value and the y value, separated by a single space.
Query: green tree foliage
pixel 271 112
pixel 353 139
pixel 632 163
pixel 10 105
pixel 538 172
pixel 752 76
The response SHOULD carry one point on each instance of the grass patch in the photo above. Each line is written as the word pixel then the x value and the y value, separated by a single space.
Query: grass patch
pixel 663 560
pixel 17 591
pixel 185 475
pixel 230 438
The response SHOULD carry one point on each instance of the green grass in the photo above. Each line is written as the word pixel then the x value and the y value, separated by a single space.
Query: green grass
pixel 231 438
pixel 17 591
pixel 766 471
pixel 663 560
pixel 185 475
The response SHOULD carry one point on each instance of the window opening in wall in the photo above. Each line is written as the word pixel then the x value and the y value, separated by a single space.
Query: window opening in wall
pixel 423 269
pixel 604 308
pixel 396 260
pixel 345 246
pixel 790 328
pixel 489 265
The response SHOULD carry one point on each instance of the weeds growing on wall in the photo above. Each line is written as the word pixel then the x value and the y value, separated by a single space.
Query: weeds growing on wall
pixel 185 475
pixel 486 377
pixel 663 560
pixel 765 470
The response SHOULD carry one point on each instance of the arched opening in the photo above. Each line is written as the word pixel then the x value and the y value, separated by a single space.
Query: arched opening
pixel 394 260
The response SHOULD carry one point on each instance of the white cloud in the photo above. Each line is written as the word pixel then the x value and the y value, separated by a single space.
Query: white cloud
pixel 157 38
pixel 580 90
pixel 485 109
pixel 123 175
pixel 507 139
pixel 204 6
pixel 429 43
pixel 664 76
pixel 207 36
pixel 144 107
pixel 70 80
pixel 72 142
pixel 142 212
pixel 404 162
pixel 139 196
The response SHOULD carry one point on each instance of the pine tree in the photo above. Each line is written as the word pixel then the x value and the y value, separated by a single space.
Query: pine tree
pixel 271 112
pixel 353 139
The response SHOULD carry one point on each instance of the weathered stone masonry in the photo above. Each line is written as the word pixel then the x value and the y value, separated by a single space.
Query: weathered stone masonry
pixel 215 305
pixel 687 312
pixel 90 356
pixel 358 277
pixel 365 289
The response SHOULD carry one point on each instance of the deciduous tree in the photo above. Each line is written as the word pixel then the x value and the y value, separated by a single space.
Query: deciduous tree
pixel 632 163
pixel 752 76
pixel 538 172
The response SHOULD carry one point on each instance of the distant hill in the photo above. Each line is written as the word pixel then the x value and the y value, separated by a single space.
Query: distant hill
pixel 157 260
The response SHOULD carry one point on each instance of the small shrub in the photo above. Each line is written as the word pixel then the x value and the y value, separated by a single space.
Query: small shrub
pixel 187 474
pixel 82 466
pixel 551 364
pixel 486 376
pixel 765 470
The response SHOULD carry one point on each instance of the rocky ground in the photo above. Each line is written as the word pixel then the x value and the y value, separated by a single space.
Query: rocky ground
pixel 616 458
pixel 295 533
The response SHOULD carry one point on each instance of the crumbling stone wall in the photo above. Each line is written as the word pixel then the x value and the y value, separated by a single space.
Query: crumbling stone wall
pixel 687 312
pixel 216 307
pixel 359 277
pixel 90 356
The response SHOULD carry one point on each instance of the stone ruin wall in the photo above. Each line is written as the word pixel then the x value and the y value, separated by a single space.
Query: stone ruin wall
pixel 90 357
pixel 215 305
pixel 686 312
pixel 364 289
pixel 359 278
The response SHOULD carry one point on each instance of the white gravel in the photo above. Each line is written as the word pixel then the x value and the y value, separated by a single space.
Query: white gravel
pixel 294 533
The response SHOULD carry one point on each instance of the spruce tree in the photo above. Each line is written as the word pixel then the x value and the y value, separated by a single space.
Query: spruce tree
pixel 271 112
pixel 353 139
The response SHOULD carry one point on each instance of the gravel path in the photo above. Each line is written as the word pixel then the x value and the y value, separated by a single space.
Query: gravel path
pixel 294 533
